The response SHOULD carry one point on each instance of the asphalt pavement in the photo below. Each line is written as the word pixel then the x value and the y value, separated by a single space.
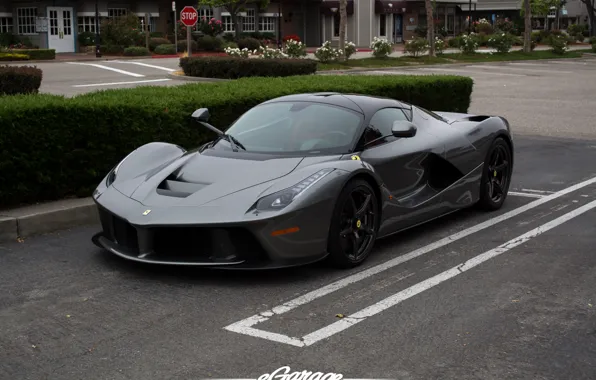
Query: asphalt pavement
pixel 501 295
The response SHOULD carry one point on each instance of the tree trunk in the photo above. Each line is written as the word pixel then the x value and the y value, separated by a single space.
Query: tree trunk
pixel 234 14
pixel 343 20
pixel 430 28
pixel 528 27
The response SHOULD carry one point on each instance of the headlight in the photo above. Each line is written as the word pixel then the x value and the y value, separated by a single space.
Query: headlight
pixel 281 199
pixel 114 172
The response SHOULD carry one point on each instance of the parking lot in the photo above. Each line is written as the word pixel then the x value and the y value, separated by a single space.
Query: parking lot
pixel 502 295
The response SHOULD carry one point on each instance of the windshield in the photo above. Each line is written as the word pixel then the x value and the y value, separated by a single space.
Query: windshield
pixel 292 127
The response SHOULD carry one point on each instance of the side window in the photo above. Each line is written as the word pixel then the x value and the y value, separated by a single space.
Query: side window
pixel 380 125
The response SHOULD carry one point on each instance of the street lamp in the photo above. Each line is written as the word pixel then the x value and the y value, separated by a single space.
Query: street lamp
pixel 97 45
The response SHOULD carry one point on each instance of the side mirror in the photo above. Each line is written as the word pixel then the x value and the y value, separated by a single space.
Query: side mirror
pixel 403 128
pixel 202 114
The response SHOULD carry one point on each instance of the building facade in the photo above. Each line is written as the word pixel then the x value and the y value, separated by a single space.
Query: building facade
pixel 56 23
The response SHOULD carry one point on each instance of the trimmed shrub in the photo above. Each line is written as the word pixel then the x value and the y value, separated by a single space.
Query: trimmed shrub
pixel 155 42
pixel 46 156
pixel 112 49
pixel 136 51
pixel 209 43
pixel 249 43
pixel 183 46
pixel 19 80
pixel 37 54
pixel 166 49
pixel 233 67
pixel 13 57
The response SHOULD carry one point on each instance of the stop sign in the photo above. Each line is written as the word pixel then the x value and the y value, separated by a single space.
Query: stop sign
pixel 189 16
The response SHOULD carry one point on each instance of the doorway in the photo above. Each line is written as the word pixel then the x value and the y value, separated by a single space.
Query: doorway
pixel 398 33
pixel 60 30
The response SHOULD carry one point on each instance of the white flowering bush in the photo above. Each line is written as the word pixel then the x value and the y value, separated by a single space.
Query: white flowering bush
pixel 236 52
pixel 326 53
pixel 271 53
pixel 501 42
pixel 558 43
pixel 381 47
pixel 469 43
pixel 295 49
pixel 350 49
pixel 440 45
pixel 416 46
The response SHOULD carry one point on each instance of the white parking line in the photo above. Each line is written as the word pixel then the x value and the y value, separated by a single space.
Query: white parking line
pixel 568 63
pixel 538 191
pixel 478 72
pixel 397 298
pixel 146 65
pixel 515 68
pixel 527 195
pixel 107 68
pixel 118 83
pixel 245 326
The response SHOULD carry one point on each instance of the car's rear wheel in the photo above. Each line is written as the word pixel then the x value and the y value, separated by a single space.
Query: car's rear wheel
pixel 354 225
pixel 496 176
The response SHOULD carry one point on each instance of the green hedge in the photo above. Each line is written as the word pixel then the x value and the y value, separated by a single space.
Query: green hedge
pixel 19 80
pixel 165 49
pixel 13 57
pixel 37 54
pixel 52 146
pixel 136 51
pixel 236 67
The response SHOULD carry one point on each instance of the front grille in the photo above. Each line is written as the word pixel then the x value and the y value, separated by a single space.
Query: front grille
pixel 206 244
pixel 119 230
pixel 125 234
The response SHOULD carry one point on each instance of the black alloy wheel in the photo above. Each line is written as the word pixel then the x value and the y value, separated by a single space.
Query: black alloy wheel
pixel 354 225
pixel 496 176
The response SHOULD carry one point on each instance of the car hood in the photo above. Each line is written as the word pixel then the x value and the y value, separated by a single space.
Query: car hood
pixel 196 179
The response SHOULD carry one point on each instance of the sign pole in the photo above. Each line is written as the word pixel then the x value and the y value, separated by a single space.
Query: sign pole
pixel 188 38
pixel 175 26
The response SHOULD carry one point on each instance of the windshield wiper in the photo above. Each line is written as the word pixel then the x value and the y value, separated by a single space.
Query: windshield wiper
pixel 234 141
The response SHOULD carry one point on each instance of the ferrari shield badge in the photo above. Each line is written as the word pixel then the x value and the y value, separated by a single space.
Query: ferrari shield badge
pixel 358 224
pixel 146 212
pixel 355 158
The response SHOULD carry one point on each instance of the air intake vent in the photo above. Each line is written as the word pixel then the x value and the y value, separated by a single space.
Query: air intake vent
pixel 172 188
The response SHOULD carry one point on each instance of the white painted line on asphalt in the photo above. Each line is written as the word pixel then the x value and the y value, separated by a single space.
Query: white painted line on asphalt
pixel 146 65
pixel 245 326
pixel 538 191
pixel 515 68
pixel 399 297
pixel 528 195
pixel 527 64
pixel 568 63
pixel 478 72
pixel 118 83
pixel 107 68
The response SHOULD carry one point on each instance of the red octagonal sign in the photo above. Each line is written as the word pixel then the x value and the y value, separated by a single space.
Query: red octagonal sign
pixel 189 16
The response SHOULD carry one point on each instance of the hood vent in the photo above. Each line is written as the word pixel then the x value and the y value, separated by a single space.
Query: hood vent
pixel 173 188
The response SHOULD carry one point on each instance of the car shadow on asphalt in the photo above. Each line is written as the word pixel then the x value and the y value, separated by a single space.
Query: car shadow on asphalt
pixel 385 249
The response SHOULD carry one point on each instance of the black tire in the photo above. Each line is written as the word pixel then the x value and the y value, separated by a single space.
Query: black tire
pixel 496 176
pixel 353 222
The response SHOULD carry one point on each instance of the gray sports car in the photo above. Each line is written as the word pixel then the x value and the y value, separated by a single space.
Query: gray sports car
pixel 299 179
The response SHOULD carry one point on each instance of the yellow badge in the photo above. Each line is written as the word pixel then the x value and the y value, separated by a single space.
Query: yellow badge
pixel 356 158
pixel 146 212
pixel 495 173
pixel 358 224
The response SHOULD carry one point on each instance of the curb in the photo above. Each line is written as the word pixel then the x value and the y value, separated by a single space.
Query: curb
pixel 196 79
pixel 47 217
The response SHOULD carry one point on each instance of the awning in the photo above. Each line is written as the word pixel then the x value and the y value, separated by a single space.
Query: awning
pixel 327 5
pixel 390 6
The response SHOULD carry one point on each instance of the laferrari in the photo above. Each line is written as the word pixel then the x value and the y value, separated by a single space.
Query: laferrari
pixel 301 178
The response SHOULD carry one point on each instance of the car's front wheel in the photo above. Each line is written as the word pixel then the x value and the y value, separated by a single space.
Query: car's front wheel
pixel 496 176
pixel 354 225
